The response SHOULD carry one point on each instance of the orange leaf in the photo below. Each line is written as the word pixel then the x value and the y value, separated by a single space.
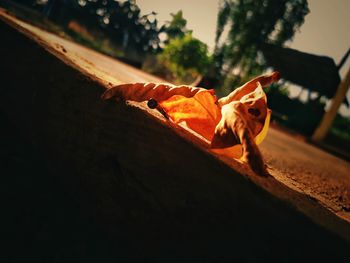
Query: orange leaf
pixel 234 125
pixel 200 112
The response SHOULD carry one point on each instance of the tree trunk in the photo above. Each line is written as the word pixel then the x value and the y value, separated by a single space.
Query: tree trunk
pixel 327 120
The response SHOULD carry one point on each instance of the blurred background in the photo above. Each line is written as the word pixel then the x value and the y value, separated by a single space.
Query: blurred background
pixel 221 44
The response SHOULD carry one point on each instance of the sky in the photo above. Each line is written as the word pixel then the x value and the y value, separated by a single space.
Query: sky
pixel 326 30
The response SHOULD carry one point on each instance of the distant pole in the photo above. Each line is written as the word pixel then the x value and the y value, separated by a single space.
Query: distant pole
pixel 327 120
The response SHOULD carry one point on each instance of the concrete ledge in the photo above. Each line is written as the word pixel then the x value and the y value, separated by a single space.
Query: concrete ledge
pixel 177 202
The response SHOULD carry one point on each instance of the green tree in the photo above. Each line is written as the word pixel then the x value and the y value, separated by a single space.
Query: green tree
pixel 250 24
pixel 120 21
pixel 176 27
pixel 185 55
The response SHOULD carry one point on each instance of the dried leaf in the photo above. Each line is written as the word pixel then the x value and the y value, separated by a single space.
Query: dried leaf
pixel 252 108
pixel 235 123
pixel 144 91
pixel 243 124
pixel 249 87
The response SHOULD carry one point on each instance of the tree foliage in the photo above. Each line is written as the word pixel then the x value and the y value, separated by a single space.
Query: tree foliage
pixel 120 21
pixel 123 21
pixel 185 55
pixel 176 28
pixel 249 24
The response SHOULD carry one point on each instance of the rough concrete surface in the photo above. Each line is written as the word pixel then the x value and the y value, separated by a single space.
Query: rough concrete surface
pixel 308 169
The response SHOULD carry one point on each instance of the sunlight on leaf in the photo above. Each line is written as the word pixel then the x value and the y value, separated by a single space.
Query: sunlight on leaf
pixel 200 112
